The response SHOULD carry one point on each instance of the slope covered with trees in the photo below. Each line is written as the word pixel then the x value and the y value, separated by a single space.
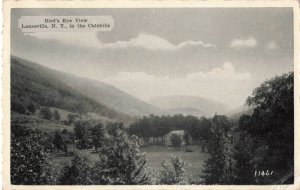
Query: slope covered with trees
pixel 33 86
pixel 109 95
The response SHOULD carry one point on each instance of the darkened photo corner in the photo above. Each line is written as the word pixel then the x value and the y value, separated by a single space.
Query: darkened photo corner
pixel 152 96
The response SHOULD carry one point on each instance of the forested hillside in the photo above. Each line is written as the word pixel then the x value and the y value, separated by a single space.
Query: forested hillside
pixel 32 86
pixel 109 95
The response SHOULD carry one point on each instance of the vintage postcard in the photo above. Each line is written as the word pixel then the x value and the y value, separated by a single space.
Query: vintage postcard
pixel 151 95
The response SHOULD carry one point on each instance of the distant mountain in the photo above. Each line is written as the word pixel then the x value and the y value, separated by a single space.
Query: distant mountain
pixel 33 83
pixel 186 111
pixel 190 105
pixel 236 113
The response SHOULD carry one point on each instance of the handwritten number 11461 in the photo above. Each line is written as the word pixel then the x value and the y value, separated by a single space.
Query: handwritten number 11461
pixel 263 173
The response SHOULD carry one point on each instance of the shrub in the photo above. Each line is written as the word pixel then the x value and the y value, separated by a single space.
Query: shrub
pixel 31 108
pixel 64 132
pixel 46 113
pixel 71 118
pixel 173 172
pixel 77 172
pixel 18 107
pixel 56 115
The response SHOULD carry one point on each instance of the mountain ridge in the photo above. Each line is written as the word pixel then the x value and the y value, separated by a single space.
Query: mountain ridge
pixel 100 92
pixel 111 96
pixel 206 107
pixel 32 83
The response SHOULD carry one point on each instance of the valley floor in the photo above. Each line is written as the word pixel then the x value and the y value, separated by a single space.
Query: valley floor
pixel 194 161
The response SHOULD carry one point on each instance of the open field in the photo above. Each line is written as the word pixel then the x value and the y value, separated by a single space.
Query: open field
pixel 193 160
pixel 155 154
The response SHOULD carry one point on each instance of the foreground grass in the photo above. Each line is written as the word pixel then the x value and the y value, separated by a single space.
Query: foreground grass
pixel 193 160
pixel 155 155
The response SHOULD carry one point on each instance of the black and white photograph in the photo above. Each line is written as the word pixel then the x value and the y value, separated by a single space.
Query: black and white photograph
pixel 152 96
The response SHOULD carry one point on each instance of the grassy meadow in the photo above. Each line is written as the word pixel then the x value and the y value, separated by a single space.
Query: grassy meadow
pixel 155 156
pixel 193 160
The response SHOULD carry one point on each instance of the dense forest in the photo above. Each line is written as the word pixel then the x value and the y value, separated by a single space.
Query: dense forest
pixel 157 127
pixel 255 149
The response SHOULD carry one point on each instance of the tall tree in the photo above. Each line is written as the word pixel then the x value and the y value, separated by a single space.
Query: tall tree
pixel 29 159
pixel 98 135
pixel 272 123
pixel 218 168
pixel 81 132
pixel 187 138
pixel 113 128
pixel 122 162
pixel 243 155
pixel 58 141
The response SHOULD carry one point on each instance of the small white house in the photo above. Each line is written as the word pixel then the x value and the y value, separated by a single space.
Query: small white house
pixel 168 136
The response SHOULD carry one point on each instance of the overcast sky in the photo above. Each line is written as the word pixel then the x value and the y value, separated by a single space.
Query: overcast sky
pixel 216 53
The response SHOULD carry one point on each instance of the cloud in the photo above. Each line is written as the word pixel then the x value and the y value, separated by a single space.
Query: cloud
pixel 89 39
pixel 152 42
pixel 243 43
pixel 85 39
pixel 226 72
pixel 223 84
pixel 271 45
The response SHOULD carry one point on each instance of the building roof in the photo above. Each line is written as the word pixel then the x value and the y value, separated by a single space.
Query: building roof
pixel 178 132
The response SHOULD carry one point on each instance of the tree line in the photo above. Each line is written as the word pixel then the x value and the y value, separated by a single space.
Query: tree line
pixel 158 126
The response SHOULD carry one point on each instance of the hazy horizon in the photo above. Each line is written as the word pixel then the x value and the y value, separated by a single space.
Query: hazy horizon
pixel 209 53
